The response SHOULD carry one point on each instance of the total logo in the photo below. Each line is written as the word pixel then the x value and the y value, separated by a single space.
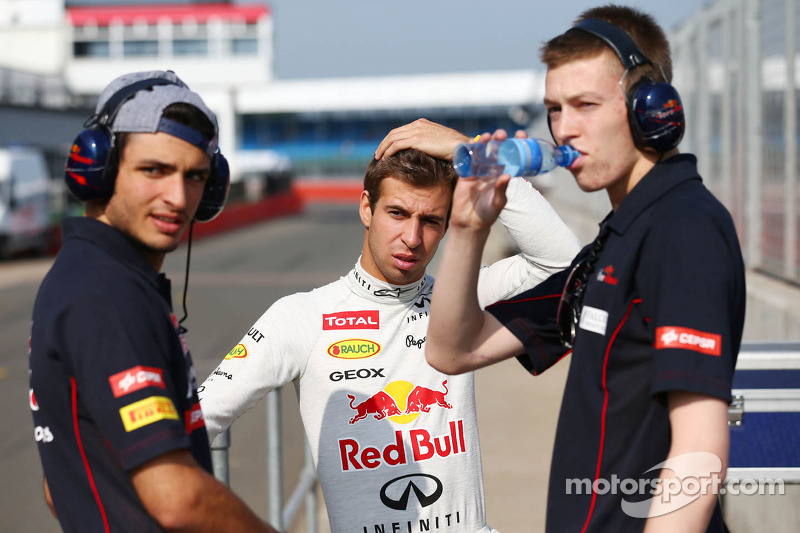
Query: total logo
pixel 354 349
pixel 400 401
pixel 351 320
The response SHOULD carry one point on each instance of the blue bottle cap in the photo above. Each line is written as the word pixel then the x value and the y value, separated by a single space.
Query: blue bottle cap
pixel 566 155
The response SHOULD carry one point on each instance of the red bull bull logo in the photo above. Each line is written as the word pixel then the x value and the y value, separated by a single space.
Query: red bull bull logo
pixel 379 405
pixel 400 401
pixel 422 399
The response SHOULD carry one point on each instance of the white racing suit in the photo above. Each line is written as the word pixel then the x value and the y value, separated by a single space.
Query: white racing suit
pixel 395 442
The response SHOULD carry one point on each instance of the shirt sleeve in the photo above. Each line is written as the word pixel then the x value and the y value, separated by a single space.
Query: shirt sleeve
pixel 691 279
pixel 546 245
pixel 124 360
pixel 269 355
pixel 531 317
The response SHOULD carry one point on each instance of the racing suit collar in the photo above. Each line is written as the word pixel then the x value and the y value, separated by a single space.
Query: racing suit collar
pixel 372 288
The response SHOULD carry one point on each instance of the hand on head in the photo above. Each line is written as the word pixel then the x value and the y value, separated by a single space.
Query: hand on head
pixel 423 135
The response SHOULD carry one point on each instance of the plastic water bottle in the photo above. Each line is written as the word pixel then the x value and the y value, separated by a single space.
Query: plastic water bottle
pixel 518 157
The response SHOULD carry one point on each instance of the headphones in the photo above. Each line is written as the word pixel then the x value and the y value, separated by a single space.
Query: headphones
pixel 655 111
pixel 91 168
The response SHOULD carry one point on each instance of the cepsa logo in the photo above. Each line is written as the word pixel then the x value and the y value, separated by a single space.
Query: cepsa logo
pixel 688 339
pixel 354 349
pixel 147 411
pixel 238 352
pixel 194 418
pixel 351 320
pixel 136 378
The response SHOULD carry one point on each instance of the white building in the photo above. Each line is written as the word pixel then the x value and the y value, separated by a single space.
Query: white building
pixel 225 52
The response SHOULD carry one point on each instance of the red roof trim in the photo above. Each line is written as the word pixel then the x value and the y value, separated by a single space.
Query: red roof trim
pixel 128 14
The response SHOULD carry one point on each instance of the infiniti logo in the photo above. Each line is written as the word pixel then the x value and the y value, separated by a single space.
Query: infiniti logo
pixel 425 498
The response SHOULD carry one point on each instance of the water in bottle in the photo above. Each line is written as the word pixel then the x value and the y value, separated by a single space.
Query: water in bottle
pixel 530 157
pixel 477 159
pixel 518 157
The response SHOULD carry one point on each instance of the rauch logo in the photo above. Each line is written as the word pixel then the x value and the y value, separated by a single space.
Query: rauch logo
pixel 354 349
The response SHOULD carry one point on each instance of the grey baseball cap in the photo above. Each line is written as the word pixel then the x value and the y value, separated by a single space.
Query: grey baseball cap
pixel 135 103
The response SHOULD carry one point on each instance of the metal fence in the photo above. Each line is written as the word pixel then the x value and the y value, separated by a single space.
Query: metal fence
pixel 735 63
pixel 280 515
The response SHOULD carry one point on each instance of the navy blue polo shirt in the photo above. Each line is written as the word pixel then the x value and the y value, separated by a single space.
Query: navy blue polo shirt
pixel 112 381
pixel 663 311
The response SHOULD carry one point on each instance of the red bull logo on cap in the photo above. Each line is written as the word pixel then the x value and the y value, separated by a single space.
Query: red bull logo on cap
pixel 354 349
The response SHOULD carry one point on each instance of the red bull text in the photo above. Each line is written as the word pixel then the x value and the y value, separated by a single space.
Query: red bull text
pixel 419 444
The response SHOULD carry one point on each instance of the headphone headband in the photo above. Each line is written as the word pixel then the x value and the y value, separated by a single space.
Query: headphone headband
pixel 623 45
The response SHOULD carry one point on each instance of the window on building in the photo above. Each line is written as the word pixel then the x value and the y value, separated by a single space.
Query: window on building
pixel 244 47
pixel 139 48
pixel 91 49
pixel 190 47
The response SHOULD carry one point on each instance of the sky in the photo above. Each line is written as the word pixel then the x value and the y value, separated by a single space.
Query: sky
pixel 347 38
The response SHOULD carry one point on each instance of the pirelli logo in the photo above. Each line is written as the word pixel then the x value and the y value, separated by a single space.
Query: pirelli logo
pixel 147 411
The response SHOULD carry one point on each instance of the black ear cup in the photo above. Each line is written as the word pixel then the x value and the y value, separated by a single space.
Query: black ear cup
pixel 216 192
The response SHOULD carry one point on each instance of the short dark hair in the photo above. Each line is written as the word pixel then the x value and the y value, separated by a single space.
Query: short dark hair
pixel 180 112
pixel 640 26
pixel 410 166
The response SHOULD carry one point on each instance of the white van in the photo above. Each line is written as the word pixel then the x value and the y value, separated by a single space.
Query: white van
pixel 24 201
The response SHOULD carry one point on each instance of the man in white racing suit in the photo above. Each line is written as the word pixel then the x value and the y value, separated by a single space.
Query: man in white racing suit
pixel 395 442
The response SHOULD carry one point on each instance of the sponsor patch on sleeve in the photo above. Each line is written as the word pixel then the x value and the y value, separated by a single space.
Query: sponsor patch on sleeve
pixel 194 418
pixel 136 378
pixel 688 339
pixel 147 411
pixel 238 352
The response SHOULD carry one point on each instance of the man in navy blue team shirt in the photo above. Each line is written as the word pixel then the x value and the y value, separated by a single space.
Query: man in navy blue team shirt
pixel 112 387
pixel 652 311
